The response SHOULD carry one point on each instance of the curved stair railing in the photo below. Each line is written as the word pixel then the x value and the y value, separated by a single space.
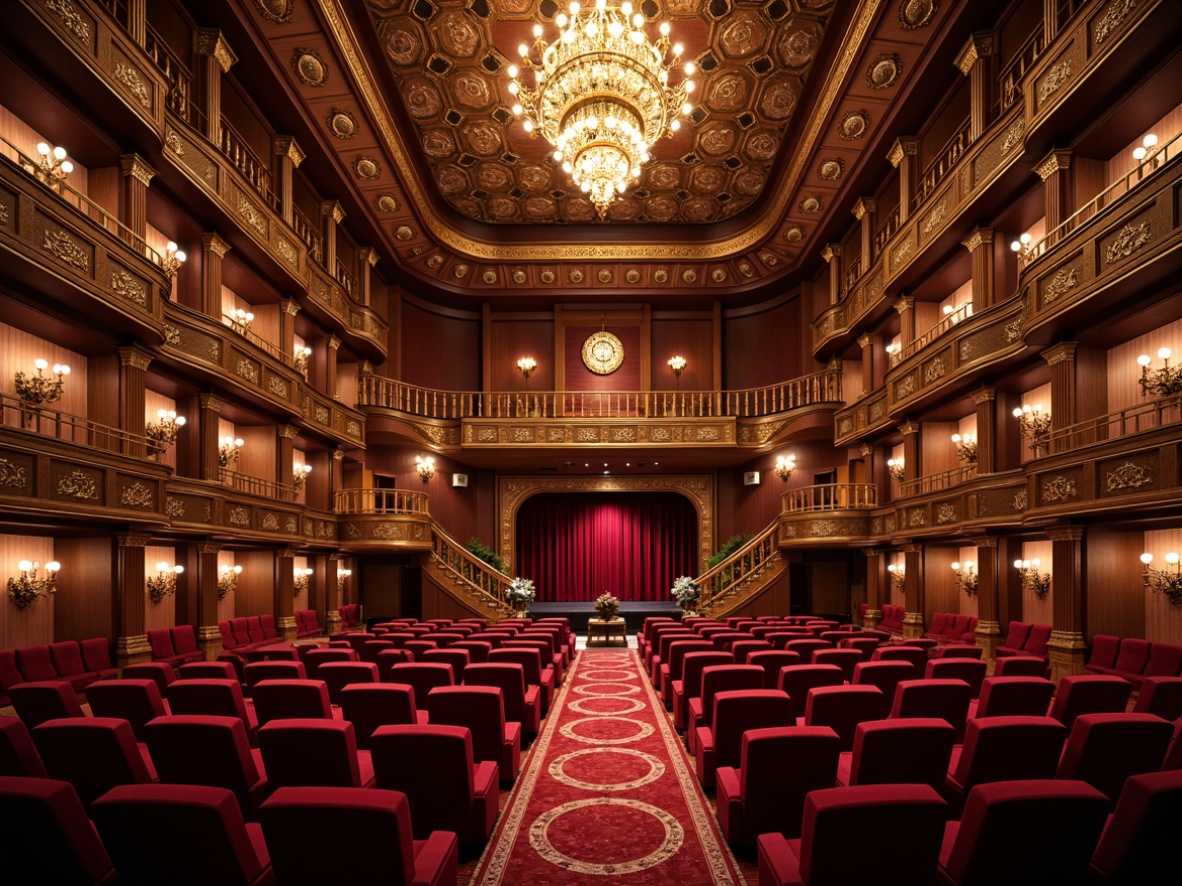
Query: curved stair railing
pixel 469 574
pixel 738 577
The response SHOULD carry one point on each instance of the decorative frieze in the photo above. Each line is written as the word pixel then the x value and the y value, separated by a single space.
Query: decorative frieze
pixel 1112 18
pixel 62 246
pixel 137 495
pixel 129 286
pixel 1059 488
pixel 945 513
pixel 1129 240
pixel 130 77
pixel 70 17
pixel 1128 476
pixel 1061 282
pixel 1055 77
pixel 79 485
pixel 239 516
pixel 12 475
pixel 934 371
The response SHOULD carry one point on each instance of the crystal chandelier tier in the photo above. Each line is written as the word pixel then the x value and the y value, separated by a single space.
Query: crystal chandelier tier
pixel 602 95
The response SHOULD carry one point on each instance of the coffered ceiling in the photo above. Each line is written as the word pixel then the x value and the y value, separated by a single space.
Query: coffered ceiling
pixel 411 96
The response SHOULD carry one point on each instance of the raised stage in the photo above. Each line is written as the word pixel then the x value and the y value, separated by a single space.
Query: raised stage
pixel 634 612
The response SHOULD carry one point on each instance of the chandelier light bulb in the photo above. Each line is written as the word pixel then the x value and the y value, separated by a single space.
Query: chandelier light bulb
pixel 1150 141
pixel 1172 558
pixel 24 565
pixel 1147 559
pixel 43 149
pixel 1139 153
pixel 1164 353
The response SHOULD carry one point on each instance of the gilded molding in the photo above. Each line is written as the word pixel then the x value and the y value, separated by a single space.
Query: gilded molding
pixel 904 304
pixel 333 209
pixel 134 359
pixel 1059 488
pixel 1128 476
pixel 1060 353
pixel 137 495
pixel 831 251
pixel 63 246
pixel 984 395
pixel 904 146
pixel 286 146
pixel 135 166
pixel 215 244
pixel 1116 13
pixel 289 306
pixel 130 77
pixel 70 17
pixel 79 485
pixel 1130 239
pixel 980 237
pixel 210 42
pixel 908 429
pixel 1055 161
pixel 12 475
pixel 1065 533
pixel 980 45
pixel 865 206
pixel 128 286
pixel 207 401
pixel 1063 281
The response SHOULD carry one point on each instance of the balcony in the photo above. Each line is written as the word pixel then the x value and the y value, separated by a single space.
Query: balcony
pixel 936 482
pixel 254 512
pixel 832 512
pixel 383 519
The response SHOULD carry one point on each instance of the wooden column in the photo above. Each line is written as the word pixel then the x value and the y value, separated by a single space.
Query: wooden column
pixel 284 604
pixel 871 358
pixel 213 250
pixel 988 627
pixel 980 247
pixel 986 402
pixel 1061 359
pixel 832 254
pixel 131 643
pixel 318 584
pixel 875 584
pixel 975 61
pixel 1068 645
pixel 911 450
pixel 285 453
pixel 287 314
pixel 905 306
pixel 208 431
pixel 290 157
pixel 212 58
pixel 333 215
pixel 866 211
pixel 133 365
pixel 332 344
pixel 875 458
pixel 1058 187
pixel 133 207
pixel 913 591
pixel 367 256
pixel 904 156
pixel 208 635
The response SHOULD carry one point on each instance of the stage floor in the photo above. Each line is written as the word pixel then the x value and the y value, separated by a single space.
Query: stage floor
pixel 634 612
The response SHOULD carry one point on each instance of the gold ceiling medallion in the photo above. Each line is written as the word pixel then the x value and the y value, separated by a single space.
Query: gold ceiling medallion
pixel 366 167
pixel 342 124
pixel 603 353
pixel 832 169
pixel 915 14
pixel 602 96
pixel 276 10
pixel 853 125
pixel 309 67
pixel 884 71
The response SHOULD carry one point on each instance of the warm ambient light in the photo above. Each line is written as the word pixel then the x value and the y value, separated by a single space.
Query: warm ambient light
pixel 300 580
pixel 54 165
pixel 174 257
pixel 300 358
pixel 425 467
pixel 161 434
pixel 1024 247
pixel 898 574
pixel 602 96
pixel 1034 424
pixel 240 320
pixel 966 447
pixel 163 583
pixel 343 578
pixel 967 577
pixel 40 389
pixel 1038 583
pixel 527 365
pixel 677 363
pixel 785 464
pixel 227 580
pixel 228 450
pixel 1162 581
pixel 299 475
pixel 895 467
pixel 1164 382
pixel 1146 148
pixel 27 587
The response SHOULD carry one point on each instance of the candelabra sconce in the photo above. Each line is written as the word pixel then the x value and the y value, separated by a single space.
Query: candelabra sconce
pixel 893 350
pixel 527 365
pixel 36 390
pixel 677 363
pixel 898 575
pixel 1024 248
pixel 28 586
pixel 966 447
pixel 1033 579
pixel 967 577
pixel 425 467
pixel 163 584
pixel 1164 382
pixel 1162 581
pixel 228 580
pixel 299 475
pixel 300 357
pixel 162 434
pixel 343 579
pixel 1035 425
pixel 1147 150
pixel 240 320
pixel 228 450
pixel 55 168
pixel 785 464
pixel 895 468
pixel 300 580
pixel 174 257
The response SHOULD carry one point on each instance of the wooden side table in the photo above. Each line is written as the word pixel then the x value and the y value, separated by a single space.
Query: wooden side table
pixel 606 631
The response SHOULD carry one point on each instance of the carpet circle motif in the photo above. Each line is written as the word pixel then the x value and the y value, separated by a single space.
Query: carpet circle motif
pixel 634 705
pixel 588 690
pixel 624 677
pixel 541 839
pixel 568 730
pixel 558 771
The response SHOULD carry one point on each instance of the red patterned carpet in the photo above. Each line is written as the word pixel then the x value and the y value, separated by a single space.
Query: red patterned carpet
pixel 608 792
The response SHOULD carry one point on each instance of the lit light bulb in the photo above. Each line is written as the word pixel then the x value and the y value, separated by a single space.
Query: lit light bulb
pixel 1147 559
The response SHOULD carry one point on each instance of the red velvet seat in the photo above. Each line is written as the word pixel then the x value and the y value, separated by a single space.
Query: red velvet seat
pixel 370 705
pixel 797 680
pixel 434 767
pixel 1014 696
pixel 1105 749
pixel 690 685
pixel 743 649
pixel 772 661
pixel 1161 696
pixel 762 795
pixel 1004 749
pixel 136 701
pixel 1089 694
pixel 781 637
pixel 1165 660
pixel 67 661
pixel 212 698
pixel 913 751
pixel 1023 833
pixel 313 753
pixel 163 674
pixel 418 647
pixel 47 837
pixel 846 659
pixel 806 647
pixel 267 621
pixel 36 664
pixel 94 754
pixel 39 701
pixel 970 670
pixel 206 670
pixel 18 754
pixel 865 645
pixel 355 818
pixel 1016 635
pixel 1020 666
pixel 653 647
pixel 291 700
pixel 160 640
pixel 358 639
pixel 531 664
pixel 917 656
pixel 1104 651
pixel 339 674
pixel 96 656
pixel 1132 657
pixel 205 840
pixel 481 710
pixel 258 671
pixel 960 651
pixel 909 819
pixel 478 650
pixel 716 679
pixel 456 659
pixel 886 675
pixel 842 708
pixel 927 644
pixel 370 649
pixel 721 742
pixel 943 699
pixel 210 751
pixel 316 657
pixel 184 643
pixel 387 658
pixel 673 665
pixel 1139 844
pixel 522 704
pixel 421 677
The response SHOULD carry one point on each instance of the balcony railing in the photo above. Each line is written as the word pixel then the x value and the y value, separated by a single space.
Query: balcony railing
pixel 886 229
pixel 851 274
pixel 71 428
pixel 943 162
pixel 181 89
pixel 307 232
pixel 380 501
pixel 258 341
pixel 1122 423
pixel 831 497
pixel 820 387
pixel 247 162
pixel 345 277
pixel 1016 68
pixel 119 11
pixel 256 486
pixel 922 341
pixel 936 482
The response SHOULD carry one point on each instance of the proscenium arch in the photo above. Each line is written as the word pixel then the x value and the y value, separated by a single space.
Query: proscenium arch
pixel 513 491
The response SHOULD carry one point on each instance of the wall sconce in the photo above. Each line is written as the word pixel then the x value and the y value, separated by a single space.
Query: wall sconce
pixel 1024 248
pixel 240 320
pixel 343 579
pixel 898 574
pixel 162 434
pixel 300 581
pixel 1146 148
pixel 299 475
pixel 425 467
pixel 163 584
pixel 227 580
pixel 1161 581
pixel 527 365
pixel 1038 583
pixel 28 587
pixel 300 359
pixel 39 389
pixel 174 257
pixel 784 466
pixel 228 450
pixel 1034 424
pixel 677 363
pixel 54 166
pixel 1164 382
pixel 966 447
pixel 967 578
pixel 895 468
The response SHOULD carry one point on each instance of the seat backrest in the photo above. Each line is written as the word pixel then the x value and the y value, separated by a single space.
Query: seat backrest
pixel 254 629
pixel 939 623
pixel 371 649
pixel 1036 640
pixel 1014 697
pixel 44 700
pixel 205 841
pixel 161 672
pixel 206 670
pixel 240 630
pixel 913 751
pixel 1089 694
pixel 725 678
pixel 1139 843
pixel 842 708
pixel 267 620
pixel 736 711
pixel 184 640
pixel 160 639
pixel 456 659
pixel 211 697
pixel 339 674
pixel 358 639
pixel 806 647
pixel 1165 660
pixel 197 750
pixel 370 705
pixel 960 650
pixel 433 766
pixel 478 708
pixel 797 680
pixel 136 701
pixel 1104 648
pixel 510 679
pixel 529 659
pixel 47 836
pixel 1009 748
pixel 681 648
pixel 693 665
pixel 94 754
pixel 10 674
pixel 290 699
pixel 478 650
pixel 1036 831
pixel 772 661
pixel 969 670
pixel 18 754
pixel 1016 634
pixel 886 675
pixel 846 659
pixel 423 677
pixel 1019 666
pixel 67 658
pixel 772 793
pixel 36 664
pixel 907 818
pixel 1105 749
pixel 257 671
pixel 1161 696
pixel 915 655
pixel 316 657
pixel 944 699
pixel 387 658
pixel 315 753
pixel 744 648
pixel 1133 655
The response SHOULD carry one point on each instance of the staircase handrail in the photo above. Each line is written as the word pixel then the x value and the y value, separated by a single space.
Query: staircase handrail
pixel 723 579
pixel 478 576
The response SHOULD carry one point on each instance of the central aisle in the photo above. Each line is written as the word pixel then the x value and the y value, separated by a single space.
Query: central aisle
pixel 608 792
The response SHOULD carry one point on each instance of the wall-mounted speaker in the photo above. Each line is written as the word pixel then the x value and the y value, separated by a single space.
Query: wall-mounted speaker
pixel 751 478
pixel 459 481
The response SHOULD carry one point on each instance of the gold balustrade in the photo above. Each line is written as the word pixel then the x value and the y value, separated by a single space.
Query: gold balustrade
pixel 347 502
pixel 830 497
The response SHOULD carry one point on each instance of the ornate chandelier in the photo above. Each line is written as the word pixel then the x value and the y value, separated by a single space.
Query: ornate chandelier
pixel 602 96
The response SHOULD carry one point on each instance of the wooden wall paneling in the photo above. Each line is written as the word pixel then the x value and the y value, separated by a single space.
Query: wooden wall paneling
pixel 897 595
pixel 440 349
pixel 102 187
pixel 162 614
pixel 941 593
pixel 231 301
pixel 1123 371
pixel 830 586
pixel 34 624
pixel 938 452
pixel 25 137
pixel 18 352
pixel 454 508
pixel 1163 621
pixel 153 402
pixel 773 600
pixel 103 390
pixel 852 386
pixel 515 336
pixel 266 322
pixel 1114 593
pixel 1034 610
pixel 85 603
pixel 437 603
pixel 693 338
pixel 257 458
pixel 962 295
pixel 927 315
pixel 382 589
pixel 256 584
pixel 756 350
pixel 1165 129
pixel 951 117
pixel 346 390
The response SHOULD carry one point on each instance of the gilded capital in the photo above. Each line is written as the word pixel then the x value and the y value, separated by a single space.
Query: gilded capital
pixel 286 432
pixel 286 553
pixel 984 395
pixel 865 341
pixel 286 146
pixel 865 206
pixel 904 303
pixel 908 429
pixel 215 244
pixel 133 358
pixel 368 255
pixel 904 146
pixel 979 237
pixel 135 166
pixel 1065 533
pixel 1053 162
pixel 338 455
pixel 831 251
pixel 980 45
pixel 985 541
pixel 210 42
pixel 333 342
pixel 210 402
pixel 332 209
pixel 866 449
pixel 1056 354
pixel 132 540
pixel 289 306
pixel 208 548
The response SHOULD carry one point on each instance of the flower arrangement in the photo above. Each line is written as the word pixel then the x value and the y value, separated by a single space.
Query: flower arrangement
pixel 520 593
pixel 686 592
pixel 607 606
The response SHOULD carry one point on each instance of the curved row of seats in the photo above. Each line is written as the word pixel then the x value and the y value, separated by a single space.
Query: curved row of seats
pixel 79 663
pixel 1134 659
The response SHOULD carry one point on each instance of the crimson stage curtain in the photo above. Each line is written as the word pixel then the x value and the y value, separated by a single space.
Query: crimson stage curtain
pixel 575 546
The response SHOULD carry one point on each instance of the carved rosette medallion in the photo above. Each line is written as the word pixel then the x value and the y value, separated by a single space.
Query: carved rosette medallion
pixel 603 353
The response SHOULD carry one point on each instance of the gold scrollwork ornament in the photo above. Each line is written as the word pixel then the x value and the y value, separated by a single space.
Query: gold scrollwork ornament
pixel 603 353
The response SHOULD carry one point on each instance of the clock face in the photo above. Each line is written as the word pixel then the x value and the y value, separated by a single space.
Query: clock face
pixel 603 353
